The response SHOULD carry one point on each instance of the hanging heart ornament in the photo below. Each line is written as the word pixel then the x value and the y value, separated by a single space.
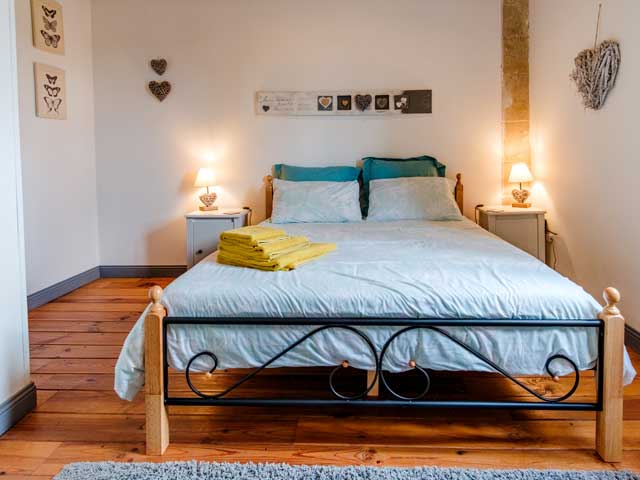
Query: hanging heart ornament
pixel 160 90
pixel 363 102
pixel 595 73
pixel 159 65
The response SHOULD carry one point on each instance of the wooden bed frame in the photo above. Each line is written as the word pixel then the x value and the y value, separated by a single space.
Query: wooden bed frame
pixel 609 420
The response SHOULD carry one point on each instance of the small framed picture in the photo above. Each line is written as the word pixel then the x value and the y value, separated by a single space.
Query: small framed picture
pixel 344 102
pixel 325 103
pixel 382 102
pixel 47 26
pixel 51 92
pixel 400 102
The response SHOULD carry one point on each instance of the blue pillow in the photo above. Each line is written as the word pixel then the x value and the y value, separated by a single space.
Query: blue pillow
pixel 374 168
pixel 315 174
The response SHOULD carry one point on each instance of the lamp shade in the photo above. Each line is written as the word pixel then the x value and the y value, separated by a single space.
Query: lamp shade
pixel 205 178
pixel 520 173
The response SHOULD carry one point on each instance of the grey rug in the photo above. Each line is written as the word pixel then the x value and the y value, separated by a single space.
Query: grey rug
pixel 252 471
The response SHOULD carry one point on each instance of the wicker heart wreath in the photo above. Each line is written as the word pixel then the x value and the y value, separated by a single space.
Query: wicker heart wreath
pixel 595 73
pixel 160 90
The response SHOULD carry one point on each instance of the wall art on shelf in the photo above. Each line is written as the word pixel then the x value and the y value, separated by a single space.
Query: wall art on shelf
pixel 47 26
pixel 343 102
pixel 51 92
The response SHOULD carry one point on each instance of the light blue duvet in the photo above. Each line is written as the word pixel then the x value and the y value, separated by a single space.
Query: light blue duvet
pixel 403 269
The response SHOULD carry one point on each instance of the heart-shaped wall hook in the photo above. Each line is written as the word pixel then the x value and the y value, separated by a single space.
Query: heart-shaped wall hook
pixel 595 73
pixel 159 65
pixel 363 102
pixel 160 90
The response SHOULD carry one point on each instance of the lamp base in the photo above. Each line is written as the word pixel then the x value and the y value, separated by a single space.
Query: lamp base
pixel 204 208
pixel 521 205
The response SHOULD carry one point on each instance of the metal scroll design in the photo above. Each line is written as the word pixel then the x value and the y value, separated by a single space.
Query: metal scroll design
pixel 492 364
pixel 249 376
pixel 379 372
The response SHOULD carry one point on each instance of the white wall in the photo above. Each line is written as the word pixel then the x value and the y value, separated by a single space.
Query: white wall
pixel 14 353
pixel 58 156
pixel 587 162
pixel 221 52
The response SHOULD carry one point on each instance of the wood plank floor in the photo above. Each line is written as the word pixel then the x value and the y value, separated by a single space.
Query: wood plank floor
pixel 74 345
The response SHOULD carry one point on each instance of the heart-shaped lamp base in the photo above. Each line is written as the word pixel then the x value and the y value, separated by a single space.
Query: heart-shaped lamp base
pixel 208 200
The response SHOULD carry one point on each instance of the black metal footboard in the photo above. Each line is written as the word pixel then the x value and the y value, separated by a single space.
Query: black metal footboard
pixel 392 398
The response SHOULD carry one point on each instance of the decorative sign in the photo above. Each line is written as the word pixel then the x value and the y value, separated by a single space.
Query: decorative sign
pixel 51 92
pixel 391 102
pixel 47 26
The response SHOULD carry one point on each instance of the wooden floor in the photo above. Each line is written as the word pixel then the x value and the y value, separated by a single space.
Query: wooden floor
pixel 74 345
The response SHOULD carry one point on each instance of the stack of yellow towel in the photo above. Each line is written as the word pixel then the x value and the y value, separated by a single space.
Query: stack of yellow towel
pixel 267 248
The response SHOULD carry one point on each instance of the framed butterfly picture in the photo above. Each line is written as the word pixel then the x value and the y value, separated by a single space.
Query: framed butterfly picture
pixel 47 25
pixel 51 92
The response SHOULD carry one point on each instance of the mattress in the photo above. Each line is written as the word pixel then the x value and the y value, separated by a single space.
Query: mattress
pixel 403 269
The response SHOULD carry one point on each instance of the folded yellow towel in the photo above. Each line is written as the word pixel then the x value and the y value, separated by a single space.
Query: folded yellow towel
pixel 252 234
pixel 265 248
pixel 287 261
pixel 252 254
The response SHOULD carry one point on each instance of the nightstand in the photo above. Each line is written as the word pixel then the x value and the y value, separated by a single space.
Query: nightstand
pixel 204 229
pixel 522 227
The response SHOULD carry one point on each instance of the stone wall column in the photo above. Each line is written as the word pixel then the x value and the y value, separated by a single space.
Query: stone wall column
pixel 515 88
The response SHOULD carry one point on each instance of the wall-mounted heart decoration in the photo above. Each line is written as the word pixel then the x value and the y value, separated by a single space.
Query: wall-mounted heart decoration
pixel 265 108
pixel 595 73
pixel 159 65
pixel 160 90
pixel 363 102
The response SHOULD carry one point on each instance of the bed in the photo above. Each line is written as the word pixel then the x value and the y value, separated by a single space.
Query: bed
pixel 394 296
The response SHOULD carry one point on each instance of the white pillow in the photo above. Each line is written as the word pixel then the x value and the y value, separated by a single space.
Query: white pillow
pixel 321 202
pixel 409 198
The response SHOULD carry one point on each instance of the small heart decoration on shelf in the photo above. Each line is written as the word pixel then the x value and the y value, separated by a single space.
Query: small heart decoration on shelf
pixel 159 65
pixel 363 102
pixel 160 90
pixel 325 101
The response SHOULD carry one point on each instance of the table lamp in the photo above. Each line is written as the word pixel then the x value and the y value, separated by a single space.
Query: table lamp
pixel 520 174
pixel 206 178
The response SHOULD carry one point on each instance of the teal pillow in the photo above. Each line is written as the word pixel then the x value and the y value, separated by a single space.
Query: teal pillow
pixel 315 174
pixel 374 168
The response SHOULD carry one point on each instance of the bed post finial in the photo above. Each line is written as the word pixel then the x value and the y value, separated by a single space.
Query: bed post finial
pixel 155 294
pixel 612 297
pixel 458 192
pixel 611 361
pixel 268 190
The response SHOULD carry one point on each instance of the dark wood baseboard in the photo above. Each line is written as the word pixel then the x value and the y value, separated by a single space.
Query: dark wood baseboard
pixel 133 271
pixel 632 338
pixel 59 289
pixel 17 406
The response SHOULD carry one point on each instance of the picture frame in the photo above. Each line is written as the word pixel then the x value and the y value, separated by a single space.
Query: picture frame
pixel 47 25
pixel 50 92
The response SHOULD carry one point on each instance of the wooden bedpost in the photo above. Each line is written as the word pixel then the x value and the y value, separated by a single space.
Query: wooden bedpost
pixel 268 191
pixel 157 421
pixel 459 192
pixel 609 420
pixel 375 391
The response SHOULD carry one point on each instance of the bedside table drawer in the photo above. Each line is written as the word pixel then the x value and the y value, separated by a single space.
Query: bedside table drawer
pixel 205 236
pixel 204 229
pixel 521 227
